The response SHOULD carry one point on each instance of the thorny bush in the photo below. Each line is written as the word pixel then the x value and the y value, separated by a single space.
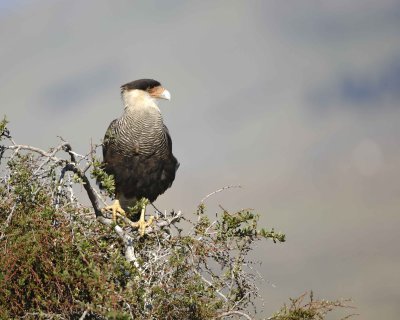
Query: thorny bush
pixel 61 259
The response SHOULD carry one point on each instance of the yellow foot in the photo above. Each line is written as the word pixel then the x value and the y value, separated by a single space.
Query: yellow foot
pixel 142 224
pixel 115 208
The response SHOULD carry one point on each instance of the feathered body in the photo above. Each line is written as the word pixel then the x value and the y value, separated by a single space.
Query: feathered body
pixel 137 147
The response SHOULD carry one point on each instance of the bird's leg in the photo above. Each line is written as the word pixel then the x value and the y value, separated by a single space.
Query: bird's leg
pixel 115 208
pixel 142 224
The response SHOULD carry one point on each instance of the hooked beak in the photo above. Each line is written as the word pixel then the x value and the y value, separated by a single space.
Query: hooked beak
pixel 165 95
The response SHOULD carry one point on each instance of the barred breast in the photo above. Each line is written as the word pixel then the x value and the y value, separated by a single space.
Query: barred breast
pixel 141 132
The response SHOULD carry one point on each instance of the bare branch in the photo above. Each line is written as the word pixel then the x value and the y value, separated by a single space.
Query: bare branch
pixel 34 149
pixel 86 184
pixel 83 315
pixel 219 190
pixel 6 224
pixel 234 312
pixel 211 285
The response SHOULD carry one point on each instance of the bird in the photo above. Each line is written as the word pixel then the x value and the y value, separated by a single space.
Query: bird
pixel 137 150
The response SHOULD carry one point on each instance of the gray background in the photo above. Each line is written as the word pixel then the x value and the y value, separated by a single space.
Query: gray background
pixel 297 101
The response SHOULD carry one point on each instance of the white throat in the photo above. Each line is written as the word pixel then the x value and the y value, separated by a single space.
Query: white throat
pixel 138 99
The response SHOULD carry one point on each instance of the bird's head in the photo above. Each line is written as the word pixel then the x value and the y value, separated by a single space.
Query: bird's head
pixel 143 89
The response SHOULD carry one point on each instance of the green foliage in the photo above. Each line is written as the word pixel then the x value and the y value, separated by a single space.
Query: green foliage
pixel 300 309
pixel 3 127
pixel 48 265
pixel 105 180
pixel 141 203
pixel 44 269
pixel 243 224
pixel 3 133
pixel 29 193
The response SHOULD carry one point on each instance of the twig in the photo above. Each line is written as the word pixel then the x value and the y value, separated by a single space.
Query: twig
pixel 211 285
pixel 6 224
pixel 34 149
pixel 126 238
pixel 83 315
pixel 219 190
pixel 58 148
pixel 86 184
pixel 233 312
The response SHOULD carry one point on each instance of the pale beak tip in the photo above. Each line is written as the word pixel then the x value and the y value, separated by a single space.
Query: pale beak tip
pixel 166 95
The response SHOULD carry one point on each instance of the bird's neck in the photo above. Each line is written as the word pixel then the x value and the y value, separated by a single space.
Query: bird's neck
pixel 136 100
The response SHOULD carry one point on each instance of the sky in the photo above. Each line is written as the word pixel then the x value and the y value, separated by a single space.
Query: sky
pixel 296 101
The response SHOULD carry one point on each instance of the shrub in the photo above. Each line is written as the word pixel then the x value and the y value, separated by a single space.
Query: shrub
pixel 63 260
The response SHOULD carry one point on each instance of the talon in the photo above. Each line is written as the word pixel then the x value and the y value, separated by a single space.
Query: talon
pixel 115 208
pixel 142 224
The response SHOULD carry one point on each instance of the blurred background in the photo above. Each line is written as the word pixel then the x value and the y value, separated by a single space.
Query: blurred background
pixel 297 101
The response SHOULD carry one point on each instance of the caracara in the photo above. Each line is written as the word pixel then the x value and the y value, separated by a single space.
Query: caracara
pixel 137 149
